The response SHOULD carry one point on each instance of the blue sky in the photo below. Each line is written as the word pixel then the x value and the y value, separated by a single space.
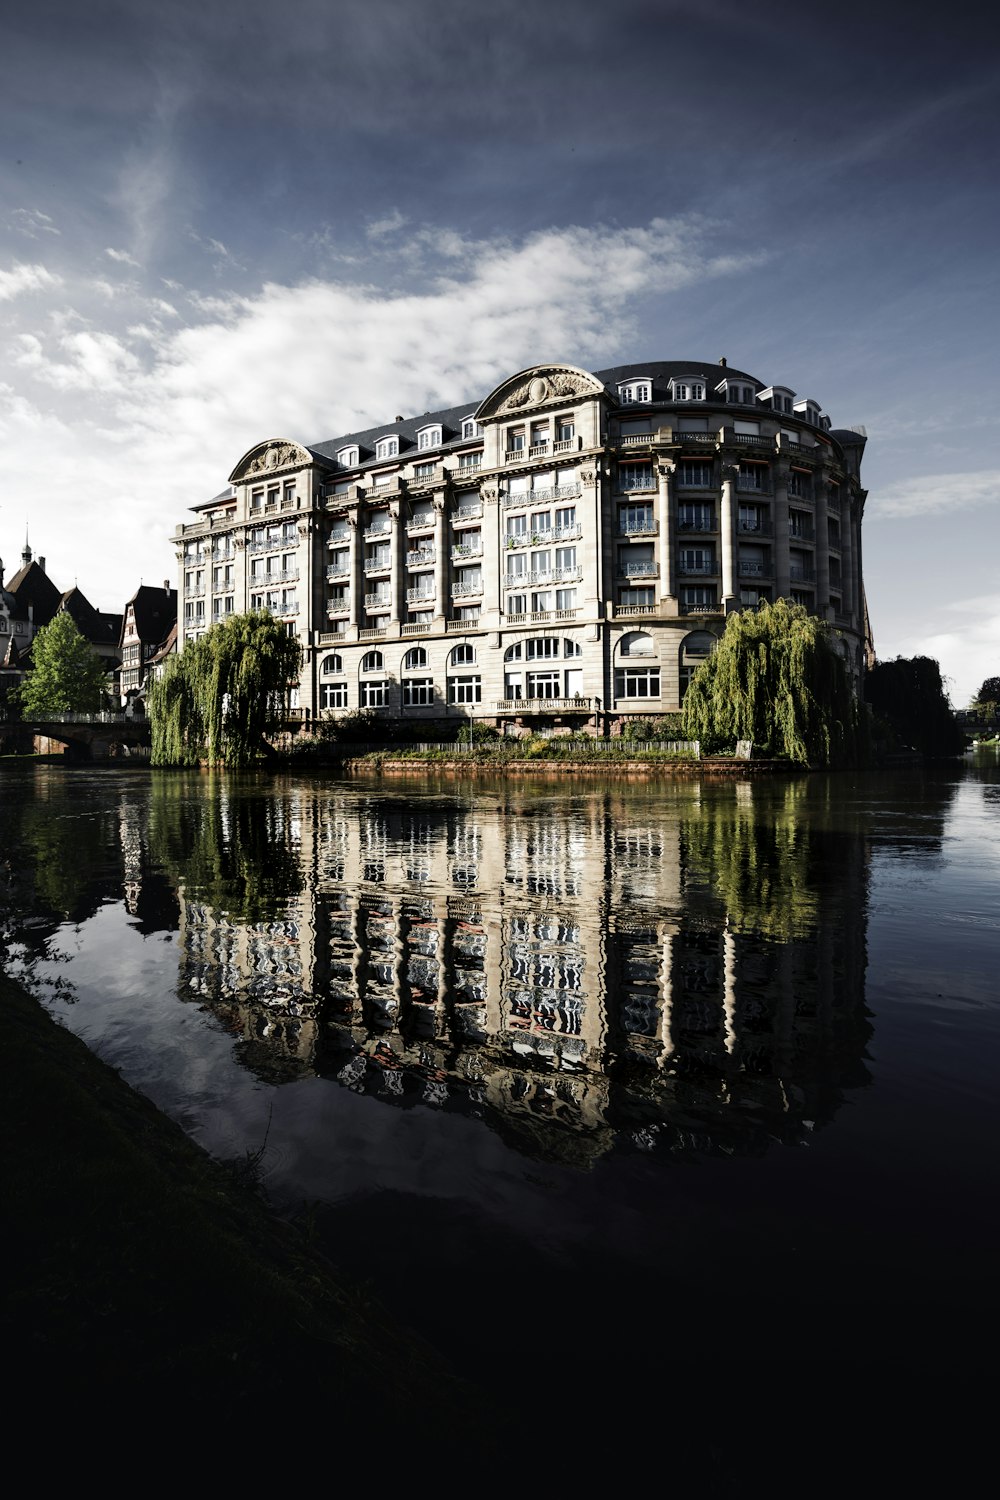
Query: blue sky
pixel 225 222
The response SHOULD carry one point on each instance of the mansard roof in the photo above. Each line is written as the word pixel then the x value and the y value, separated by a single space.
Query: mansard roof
pixel 155 611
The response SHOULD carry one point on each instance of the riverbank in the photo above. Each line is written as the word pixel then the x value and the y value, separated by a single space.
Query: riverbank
pixel 724 768
pixel 143 1271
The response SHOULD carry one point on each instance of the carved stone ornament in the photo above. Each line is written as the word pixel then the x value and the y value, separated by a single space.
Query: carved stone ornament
pixel 268 459
pixel 303 528
pixel 491 496
pixel 666 470
pixel 543 386
pixel 730 473
pixel 588 476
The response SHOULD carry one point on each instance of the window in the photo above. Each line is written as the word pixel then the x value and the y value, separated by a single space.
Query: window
pixel 517 527
pixel 332 665
pixel 637 682
pixel 636 643
pixel 799 486
pixel 429 437
pixel 463 656
pixel 515 439
pixel 697 559
pixel 387 447
pixel 751 597
pixel 695 517
pixel 517 604
pixel 256 500
pixel 470 460
pixel 372 662
pixel 572 648
pixel 566 519
pixel 418 692
pixel 803 597
pixel 541 603
pixel 752 477
pixel 423 471
pixel 565 429
pixel 694 475
pixel 465 690
pixel 515 652
pixel 688 390
pixel 544 685
pixel 800 525
pixel 635 392
pixel 541 563
pixel 414 659
pixel 635 517
pixel 471 428
pixel 541 523
pixel 635 598
pixel 543 648
pixel 333 695
pixel 517 565
pixel 566 559
pixel 565 598
pixel 636 477
pixel 539 434
pixel 374 693
pixel 288 495
pixel 347 458
pixel 698 596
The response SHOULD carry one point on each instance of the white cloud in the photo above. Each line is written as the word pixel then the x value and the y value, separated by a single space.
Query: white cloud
pixel 312 361
pixel 122 256
pixel 933 494
pixel 967 645
pixel 32 222
pixel 379 227
pixel 25 278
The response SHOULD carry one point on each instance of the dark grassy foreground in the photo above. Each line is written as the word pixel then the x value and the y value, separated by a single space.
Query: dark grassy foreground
pixel 140 1274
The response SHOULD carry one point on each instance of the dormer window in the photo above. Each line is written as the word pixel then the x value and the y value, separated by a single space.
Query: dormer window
pixel 387 447
pixel 636 392
pixel 808 411
pixel 735 393
pixel 688 390
pixel 347 458
pixel 471 428
pixel 777 397
pixel 429 437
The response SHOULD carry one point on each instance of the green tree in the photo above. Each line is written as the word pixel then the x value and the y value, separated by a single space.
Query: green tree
pixel 67 675
pixel 223 693
pixel 986 703
pixel 776 678
pixel 909 694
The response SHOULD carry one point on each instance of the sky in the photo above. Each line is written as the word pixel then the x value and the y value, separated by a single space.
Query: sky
pixel 225 222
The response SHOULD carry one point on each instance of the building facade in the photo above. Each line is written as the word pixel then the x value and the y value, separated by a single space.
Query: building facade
pixel 562 555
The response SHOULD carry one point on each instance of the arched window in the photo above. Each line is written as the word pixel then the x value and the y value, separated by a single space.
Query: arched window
pixel 332 665
pixel 463 656
pixel 372 662
pixel 572 648
pixel 514 653
pixel 415 658
pixel 636 643
pixel 698 645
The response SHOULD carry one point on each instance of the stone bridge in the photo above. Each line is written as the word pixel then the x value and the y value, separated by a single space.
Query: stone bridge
pixel 93 736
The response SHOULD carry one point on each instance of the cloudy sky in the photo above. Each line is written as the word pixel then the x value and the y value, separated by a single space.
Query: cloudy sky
pixel 225 221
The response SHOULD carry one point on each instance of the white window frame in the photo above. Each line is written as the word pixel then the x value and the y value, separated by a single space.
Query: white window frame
pixel 636 392
pixel 428 437
pixel 637 682
pixel 418 692
pixel 333 694
pixel 462 655
pixel 387 447
pixel 465 690
pixel 347 458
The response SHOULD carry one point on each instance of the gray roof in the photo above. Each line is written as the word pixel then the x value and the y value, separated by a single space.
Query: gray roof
pixel 660 372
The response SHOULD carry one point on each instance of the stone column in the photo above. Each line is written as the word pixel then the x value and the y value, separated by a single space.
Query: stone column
pixel 848 581
pixel 782 579
pixel 356 576
pixel 397 572
pixel 727 532
pixel 821 546
pixel 668 556
pixel 441 560
pixel 595 586
pixel 494 561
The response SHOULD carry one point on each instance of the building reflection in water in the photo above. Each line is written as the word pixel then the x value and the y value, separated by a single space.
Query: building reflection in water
pixel 680 971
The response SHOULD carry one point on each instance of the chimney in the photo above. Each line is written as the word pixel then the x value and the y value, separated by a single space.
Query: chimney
pixel 722 362
pixel 166 585
pixel 41 563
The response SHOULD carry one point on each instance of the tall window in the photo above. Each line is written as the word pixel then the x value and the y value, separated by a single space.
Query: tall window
pixel 463 655
pixel 415 658
pixel 332 665
pixel 694 474
pixel 374 693
pixel 638 516
pixel 636 477
pixel 372 662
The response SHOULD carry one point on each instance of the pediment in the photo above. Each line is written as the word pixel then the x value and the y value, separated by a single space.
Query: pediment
pixel 537 388
pixel 271 457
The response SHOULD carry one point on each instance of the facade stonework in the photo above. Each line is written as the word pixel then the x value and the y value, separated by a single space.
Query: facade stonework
pixel 562 556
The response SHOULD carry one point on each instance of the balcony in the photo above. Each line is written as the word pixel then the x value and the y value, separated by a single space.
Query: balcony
pixel 423 557
pixel 378 601
pixel 467 513
pixel 466 549
pixel 515 455
pixel 336 607
pixel 634 439
pixel 194 590
pixel 419 596
pixel 703 523
pixel 375 533
pixel 636 528
pixel 750 440
pixel 372 633
pixel 274 580
pixel 539 450
pixel 700 609
pixel 567 575
pixel 635 609
pixel 463 590
pixel 338 570
pixel 377 565
pixel 754 569
pixel 469 465
pixel 696 439
pixel 754 528
pixel 575 705
pixel 290 607
pixel 696 570
pixel 643 568
pixel 452 626
pixel 340 536
pixel 544 493
pixel 801 534
pixel 564 445
pixel 798 574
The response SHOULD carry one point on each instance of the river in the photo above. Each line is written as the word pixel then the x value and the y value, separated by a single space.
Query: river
pixel 576 1078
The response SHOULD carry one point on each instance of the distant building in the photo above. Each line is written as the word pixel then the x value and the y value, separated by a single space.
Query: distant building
pixel 29 601
pixel 562 555
pixel 148 634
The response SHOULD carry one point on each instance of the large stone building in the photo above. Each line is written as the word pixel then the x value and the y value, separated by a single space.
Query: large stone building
pixel 564 554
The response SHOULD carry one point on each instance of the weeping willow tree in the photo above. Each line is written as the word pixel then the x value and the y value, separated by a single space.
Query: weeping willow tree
pixel 218 699
pixel 776 678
